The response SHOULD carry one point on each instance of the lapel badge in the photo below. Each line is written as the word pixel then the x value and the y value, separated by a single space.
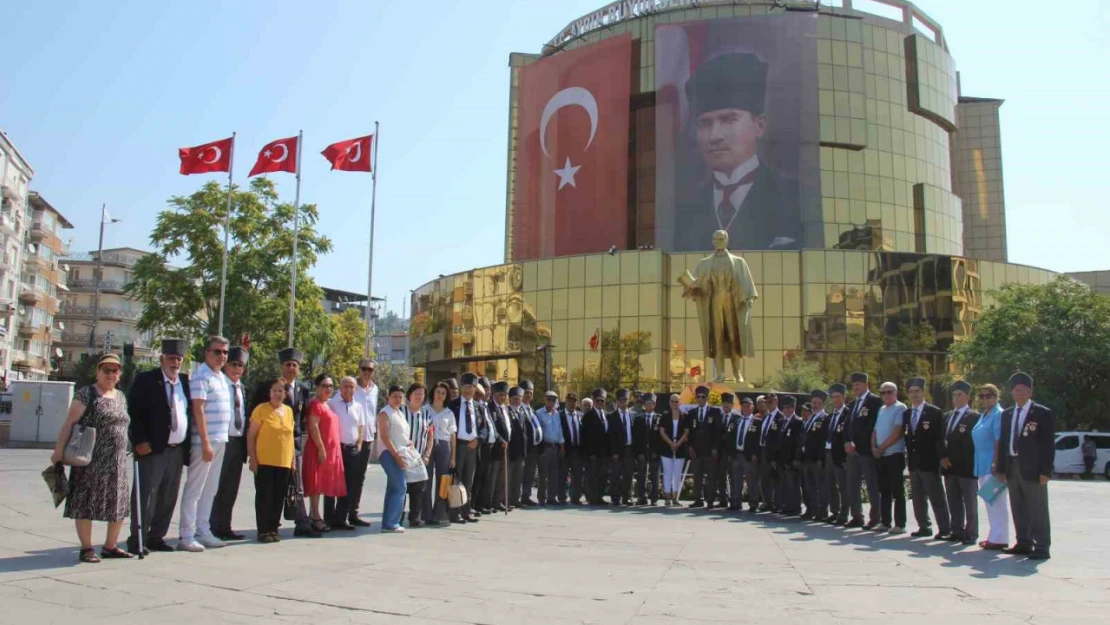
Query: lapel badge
pixel 863 413
pixel 963 428
pixel 1031 426
pixel 1025 433
pixel 925 425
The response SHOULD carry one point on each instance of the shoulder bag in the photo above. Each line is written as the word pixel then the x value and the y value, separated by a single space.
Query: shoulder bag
pixel 82 439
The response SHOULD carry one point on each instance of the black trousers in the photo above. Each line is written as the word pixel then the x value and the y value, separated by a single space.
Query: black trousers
pixel 337 510
pixel 481 495
pixel 416 499
pixel 571 469
pixel 892 490
pixel 160 482
pixel 231 473
pixel 620 476
pixel 596 472
pixel 704 470
pixel 270 485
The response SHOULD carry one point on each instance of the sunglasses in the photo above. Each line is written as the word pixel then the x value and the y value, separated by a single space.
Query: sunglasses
pixel 370 369
pixel 222 352
pixel 112 371
pixel 890 392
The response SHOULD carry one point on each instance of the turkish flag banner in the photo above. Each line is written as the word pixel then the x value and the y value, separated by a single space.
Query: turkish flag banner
pixel 280 155
pixel 350 155
pixel 570 194
pixel 210 157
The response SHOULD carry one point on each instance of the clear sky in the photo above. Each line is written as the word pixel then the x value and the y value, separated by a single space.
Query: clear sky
pixel 99 96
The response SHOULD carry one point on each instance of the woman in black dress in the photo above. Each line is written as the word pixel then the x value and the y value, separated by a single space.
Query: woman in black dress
pixel 99 491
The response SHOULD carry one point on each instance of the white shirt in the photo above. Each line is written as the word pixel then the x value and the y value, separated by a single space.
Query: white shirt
pixel 1020 413
pixel 177 435
pixel 466 408
pixel 444 423
pixel 741 192
pixel 505 408
pixel 368 399
pixel 350 418
pixel 237 388
pixel 573 426
pixel 398 429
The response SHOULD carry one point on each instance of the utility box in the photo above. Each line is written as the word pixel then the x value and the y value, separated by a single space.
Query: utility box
pixel 39 409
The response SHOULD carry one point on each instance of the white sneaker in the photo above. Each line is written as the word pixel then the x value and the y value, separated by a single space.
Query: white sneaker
pixel 395 530
pixel 210 541
pixel 189 544
pixel 897 530
pixel 881 528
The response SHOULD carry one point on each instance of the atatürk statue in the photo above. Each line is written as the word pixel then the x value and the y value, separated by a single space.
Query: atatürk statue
pixel 723 289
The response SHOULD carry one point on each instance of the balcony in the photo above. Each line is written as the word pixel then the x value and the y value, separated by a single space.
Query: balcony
pixel 22 361
pixel 81 339
pixel 110 258
pixel 89 284
pixel 88 312
pixel 7 224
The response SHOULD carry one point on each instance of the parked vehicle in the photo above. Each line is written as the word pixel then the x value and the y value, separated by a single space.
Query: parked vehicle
pixel 1069 452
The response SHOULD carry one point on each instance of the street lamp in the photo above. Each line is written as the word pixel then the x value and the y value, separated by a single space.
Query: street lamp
pixel 104 219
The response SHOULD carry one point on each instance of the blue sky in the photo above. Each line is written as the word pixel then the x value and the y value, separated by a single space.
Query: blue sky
pixel 98 96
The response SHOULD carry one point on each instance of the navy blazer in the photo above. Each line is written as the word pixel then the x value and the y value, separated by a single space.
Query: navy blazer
pixel 924 445
pixel 959 447
pixel 150 411
pixel 1036 443
pixel 666 425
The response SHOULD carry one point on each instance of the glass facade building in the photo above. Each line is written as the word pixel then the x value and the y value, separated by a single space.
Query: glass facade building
pixel 886 281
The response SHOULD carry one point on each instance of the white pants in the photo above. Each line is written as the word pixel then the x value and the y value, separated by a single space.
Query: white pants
pixel 672 475
pixel 201 483
pixel 998 515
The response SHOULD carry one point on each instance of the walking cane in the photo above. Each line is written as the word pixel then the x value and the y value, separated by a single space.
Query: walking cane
pixel 138 505
pixel 505 468
pixel 682 482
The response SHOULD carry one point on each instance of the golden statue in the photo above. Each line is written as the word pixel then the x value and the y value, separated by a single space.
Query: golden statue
pixel 724 291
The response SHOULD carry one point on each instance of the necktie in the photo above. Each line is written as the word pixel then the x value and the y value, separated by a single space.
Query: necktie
pixel 1014 430
pixel 173 409
pixel 740 433
pixel 604 422
pixel 237 404
pixel 468 415
pixel 916 417
pixel 537 432
pixel 701 415
pixel 627 434
pixel 573 419
pixel 955 419
pixel 726 212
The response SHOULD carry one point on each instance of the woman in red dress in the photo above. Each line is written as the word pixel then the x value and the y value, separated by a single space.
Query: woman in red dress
pixel 322 464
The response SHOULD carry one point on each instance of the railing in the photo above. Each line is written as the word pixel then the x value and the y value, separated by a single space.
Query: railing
pixel 82 338
pixel 89 311
pixel 111 258
pixel 90 283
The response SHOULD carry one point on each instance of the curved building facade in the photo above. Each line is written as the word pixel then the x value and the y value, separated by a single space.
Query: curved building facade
pixel 823 141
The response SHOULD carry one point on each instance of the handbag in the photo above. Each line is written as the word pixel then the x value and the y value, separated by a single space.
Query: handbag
pixel 457 498
pixel 289 512
pixel 82 439
pixel 444 486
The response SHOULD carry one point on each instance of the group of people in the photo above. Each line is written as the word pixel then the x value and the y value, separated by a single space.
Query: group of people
pixel 304 442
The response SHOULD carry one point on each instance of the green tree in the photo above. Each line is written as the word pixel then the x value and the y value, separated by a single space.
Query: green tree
pixel 619 365
pixel 1059 333
pixel 389 374
pixel 179 283
pixel 391 323
pixel 345 347
pixel 797 376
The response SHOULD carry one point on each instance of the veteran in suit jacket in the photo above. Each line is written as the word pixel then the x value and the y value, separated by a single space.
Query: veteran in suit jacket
pixel 958 467
pixel 1025 459
pixel 924 428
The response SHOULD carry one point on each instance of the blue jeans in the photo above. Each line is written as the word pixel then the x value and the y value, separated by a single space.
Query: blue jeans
pixel 394 492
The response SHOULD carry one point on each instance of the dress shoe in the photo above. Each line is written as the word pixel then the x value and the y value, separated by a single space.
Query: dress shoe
pixel 158 545
pixel 641 502
pixel 528 502
pixel 500 508
pixel 470 519
pixel 1018 550
pixel 306 532
pixel 575 502
pixel 475 513
pixel 342 526
pixel 698 504
pixel 734 509
pixel 1039 554
pixel 955 537
pixel 854 523
pixel 922 533
pixel 357 522
pixel 551 502
pixel 228 535
pixel 135 549
pixel 840 522
pixel 459 521
pixel 416 524
pixel 753 510
pixel 941 536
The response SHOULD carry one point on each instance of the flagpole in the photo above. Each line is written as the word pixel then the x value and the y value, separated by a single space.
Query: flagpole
pixel 370 269
pixel 227 235
pixel 296 228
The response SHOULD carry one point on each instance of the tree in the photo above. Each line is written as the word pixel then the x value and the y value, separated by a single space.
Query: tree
pixel 348 337
pixel 389 374
pixel 1059 333
pixel 391 323
pixel 797 376
pixel 183 298
pixel 619 365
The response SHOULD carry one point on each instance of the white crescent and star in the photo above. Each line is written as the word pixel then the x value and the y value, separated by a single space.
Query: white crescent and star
pixel 572 96
pixel 284 153
pixel 219 153
pixel 357 147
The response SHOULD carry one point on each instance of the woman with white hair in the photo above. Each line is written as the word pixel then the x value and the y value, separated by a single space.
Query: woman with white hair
pixel 673 429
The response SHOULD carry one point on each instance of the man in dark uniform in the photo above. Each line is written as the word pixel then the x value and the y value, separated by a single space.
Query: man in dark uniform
pixel 1026 455
pixel 620 451
pixel 235 452
pixel 836 480
pixel 789 441
pixel 501 421
pixel 467 417
pixel 158 403
pixel 753 427
pixel 724 454
pixel 518 445
pixel 572 464
pixel 595 438
pixel 646 452
pixel 958 463
pixel 924 447
pixel 768 436
pixel 481 497
pixel 739 193
pixel 860 464
pixel 534 439
pixel 813 459
pixel 297 394
pixel 732 446
pixel 705 423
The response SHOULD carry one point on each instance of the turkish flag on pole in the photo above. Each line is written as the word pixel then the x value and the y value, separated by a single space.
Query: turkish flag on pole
pixel 570 194
pixel 210 157
pixel 350 155
pixel 280 155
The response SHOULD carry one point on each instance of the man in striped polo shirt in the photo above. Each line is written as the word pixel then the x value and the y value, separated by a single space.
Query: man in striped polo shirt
pixel 210 396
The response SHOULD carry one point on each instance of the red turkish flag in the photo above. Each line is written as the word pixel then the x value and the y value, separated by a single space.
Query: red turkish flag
pixel 280 155
pixel 202 159
pixel 350 155
pixel 570 194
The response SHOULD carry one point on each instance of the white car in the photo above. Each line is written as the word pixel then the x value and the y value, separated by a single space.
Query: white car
pixel 1069 452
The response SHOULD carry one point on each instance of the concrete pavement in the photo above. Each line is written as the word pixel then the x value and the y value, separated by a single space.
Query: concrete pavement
pixel 566 565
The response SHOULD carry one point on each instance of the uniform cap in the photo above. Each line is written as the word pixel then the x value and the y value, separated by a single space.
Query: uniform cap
pixel 961 385
pixel 838 388
pixel 500 387
pixel 291 354
pixel 788 401
pixel 238 354
pixel 702 390
pixel 1023 379
pixel 915 383
pixel 622 394
pixel 819 394
pixel 527 385
pixel 469 378
pixel 516 391
pixel 728 398
pixel 859 376
pixel 174 347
